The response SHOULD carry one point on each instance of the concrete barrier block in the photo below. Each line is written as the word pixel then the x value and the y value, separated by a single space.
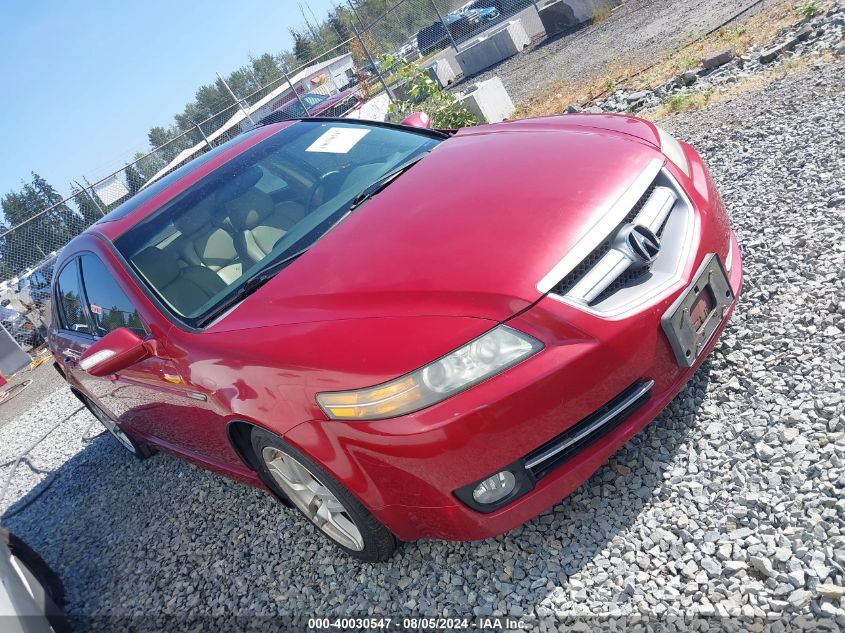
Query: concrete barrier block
pixel 447 56
pixel 489 101
pixel 560 15
pixel 441 71
pixel 492 47
pixel 531 22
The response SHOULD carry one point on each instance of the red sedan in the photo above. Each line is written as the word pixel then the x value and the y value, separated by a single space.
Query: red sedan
pixel 402 332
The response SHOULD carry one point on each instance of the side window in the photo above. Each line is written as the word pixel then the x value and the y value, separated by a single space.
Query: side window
pixel 109 306
pixel 70 297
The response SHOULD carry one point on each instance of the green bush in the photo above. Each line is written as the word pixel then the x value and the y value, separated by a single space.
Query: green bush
pixel 810 8
pixel 427 96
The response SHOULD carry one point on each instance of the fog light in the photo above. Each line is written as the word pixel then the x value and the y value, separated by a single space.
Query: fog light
pixel 494 488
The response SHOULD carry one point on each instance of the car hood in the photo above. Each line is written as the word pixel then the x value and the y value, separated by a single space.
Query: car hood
pixel 468 231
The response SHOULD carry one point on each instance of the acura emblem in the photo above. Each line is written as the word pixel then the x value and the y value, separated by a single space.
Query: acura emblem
pixel 643 245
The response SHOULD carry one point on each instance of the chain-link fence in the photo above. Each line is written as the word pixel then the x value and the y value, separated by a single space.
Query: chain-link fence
pixel 351 77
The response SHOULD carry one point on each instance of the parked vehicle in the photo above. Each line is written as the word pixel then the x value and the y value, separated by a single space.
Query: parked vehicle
pixel 33 294
pixel 435 36
pixel 34 287
pixel 488 10
pixel 488 14
pixel 332 310
pixel 314 104
pixel 31 594
pixel 21 328
pixel 409 52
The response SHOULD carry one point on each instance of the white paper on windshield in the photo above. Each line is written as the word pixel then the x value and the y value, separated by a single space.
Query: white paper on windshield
pixel 338 140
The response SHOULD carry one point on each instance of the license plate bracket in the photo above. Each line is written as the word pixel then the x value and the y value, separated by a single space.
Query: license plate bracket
pixel 692 320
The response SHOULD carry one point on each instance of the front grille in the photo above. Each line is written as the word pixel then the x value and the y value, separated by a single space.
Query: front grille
pixel 556 451
pixel 567 283
pixel 342 107
pixel 602 279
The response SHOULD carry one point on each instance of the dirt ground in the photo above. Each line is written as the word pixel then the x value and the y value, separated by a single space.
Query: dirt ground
pixel 637 31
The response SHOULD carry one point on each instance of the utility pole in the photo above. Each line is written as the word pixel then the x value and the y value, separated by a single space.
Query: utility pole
pixel 90 194
pixel 295 93
pixel 372 62
pixel 446 26
pixel 313 32
pixel 236 100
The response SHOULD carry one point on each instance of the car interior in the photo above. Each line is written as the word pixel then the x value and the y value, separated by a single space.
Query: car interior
pixel 210 246
pixel 220 232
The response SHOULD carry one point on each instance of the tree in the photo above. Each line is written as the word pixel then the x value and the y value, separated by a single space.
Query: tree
pixel 303 48
pixel 86 206
pixel 159 136
pixel 339 20
pixel 41 222
pixel 387 32
pixel 265 69
pixel 134 179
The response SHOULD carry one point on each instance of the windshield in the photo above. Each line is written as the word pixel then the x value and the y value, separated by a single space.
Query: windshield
pixel 294 109
pixel 272 201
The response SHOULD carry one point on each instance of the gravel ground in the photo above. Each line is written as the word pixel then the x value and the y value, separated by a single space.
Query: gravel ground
pixel 731 503
pixel 45 381
pixel 636 32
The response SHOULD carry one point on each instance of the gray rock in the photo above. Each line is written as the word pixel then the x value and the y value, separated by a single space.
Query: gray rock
pixel 763 565
pixel 719 58
pixel 799 598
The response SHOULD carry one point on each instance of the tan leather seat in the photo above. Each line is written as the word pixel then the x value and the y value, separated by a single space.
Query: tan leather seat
pixel 208 241
pixel 185 288
pixel 259 223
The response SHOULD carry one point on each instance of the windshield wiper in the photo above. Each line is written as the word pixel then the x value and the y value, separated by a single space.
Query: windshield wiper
pixel 253 283
pixel 372 189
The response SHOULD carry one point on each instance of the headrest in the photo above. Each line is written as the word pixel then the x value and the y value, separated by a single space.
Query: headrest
pixel 247 211
pixel 239 184
pixel 159 267
pixel 199 217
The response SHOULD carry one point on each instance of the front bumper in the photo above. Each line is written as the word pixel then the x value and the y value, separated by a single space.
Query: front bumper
pixel 406 470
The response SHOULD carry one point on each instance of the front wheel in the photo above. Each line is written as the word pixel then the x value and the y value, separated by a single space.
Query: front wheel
pixel 138 449
pixel 338 515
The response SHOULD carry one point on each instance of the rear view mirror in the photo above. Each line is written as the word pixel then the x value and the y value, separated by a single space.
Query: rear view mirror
pixel 117 350
pixel 417 119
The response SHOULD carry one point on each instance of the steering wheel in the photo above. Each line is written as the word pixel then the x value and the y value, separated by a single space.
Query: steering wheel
pixel 319 184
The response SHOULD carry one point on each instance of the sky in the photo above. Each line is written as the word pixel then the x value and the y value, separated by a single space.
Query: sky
pixel 83 82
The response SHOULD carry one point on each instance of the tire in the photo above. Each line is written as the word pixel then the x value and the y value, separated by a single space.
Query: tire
pixel 139 449
pixel 54 598
pixel 376 543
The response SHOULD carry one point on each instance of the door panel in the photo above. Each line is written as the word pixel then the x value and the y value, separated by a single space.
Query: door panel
pixel 149 398
pixel 134 395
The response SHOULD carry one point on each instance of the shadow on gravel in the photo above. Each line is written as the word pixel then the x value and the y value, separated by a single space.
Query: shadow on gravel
pixel 164 536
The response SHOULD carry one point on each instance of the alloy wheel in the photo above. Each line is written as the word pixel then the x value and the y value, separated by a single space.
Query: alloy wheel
pixel 313 498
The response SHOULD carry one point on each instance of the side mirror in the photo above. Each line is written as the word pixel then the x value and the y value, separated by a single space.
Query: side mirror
pixel 417 119
pixel 117 350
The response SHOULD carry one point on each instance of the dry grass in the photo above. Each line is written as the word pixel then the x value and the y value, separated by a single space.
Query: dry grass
pixel 759 29
pixel 601 14
pixel 683 101
pixel 697 100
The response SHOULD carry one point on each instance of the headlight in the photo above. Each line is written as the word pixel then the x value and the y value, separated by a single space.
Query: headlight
pixel 672 149
pixel 486 356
